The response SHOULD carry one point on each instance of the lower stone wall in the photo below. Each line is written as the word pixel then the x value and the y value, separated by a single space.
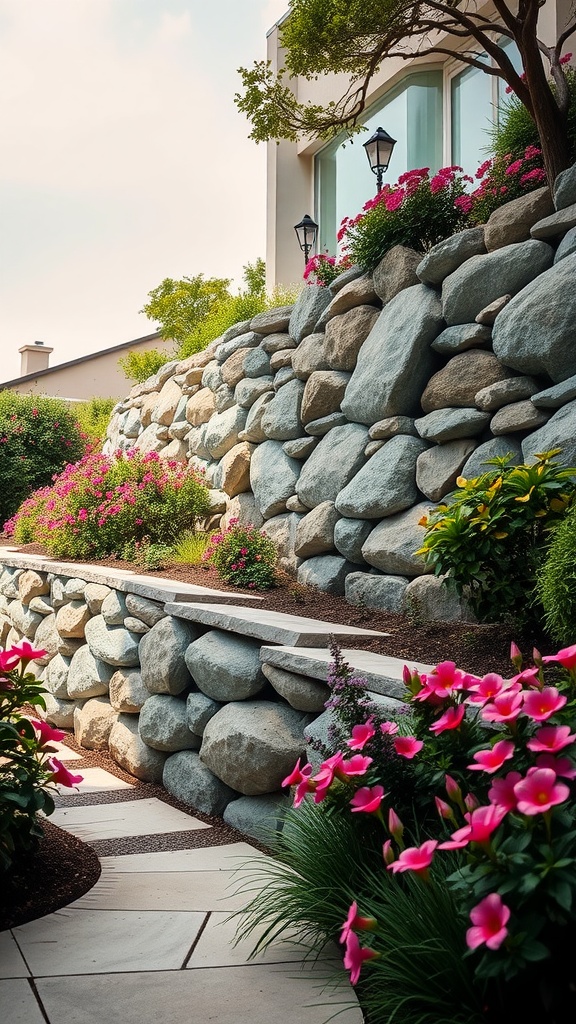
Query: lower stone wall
pixel 217 716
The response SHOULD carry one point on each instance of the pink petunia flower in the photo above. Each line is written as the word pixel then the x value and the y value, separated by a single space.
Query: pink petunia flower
pixel 481 824
pixel 408 746
pixel 356 921
pixel 297 774
pixel 505 707
pixel 361 734
pixel 355 956
pixel 389 728
pixel 491 760
pixel 566 657
pixel 46 733
pixel 26 652
pixel 542 704
pixel 540 791
pixel 562 766
pixel 551 738
pixel 502 792
pixel 488 687
pixel 451 719
pixel 367 799
pixel 489 919
pixel 61 774
pixel 415 858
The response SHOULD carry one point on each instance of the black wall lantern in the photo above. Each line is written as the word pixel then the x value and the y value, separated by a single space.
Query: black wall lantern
pixel 306 234
pixel 379 152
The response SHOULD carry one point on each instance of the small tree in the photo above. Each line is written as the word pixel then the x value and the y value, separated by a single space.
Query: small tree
pixel 179 306
pixel 355 37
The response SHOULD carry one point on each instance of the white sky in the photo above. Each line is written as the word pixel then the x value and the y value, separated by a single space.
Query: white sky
pixel 124 161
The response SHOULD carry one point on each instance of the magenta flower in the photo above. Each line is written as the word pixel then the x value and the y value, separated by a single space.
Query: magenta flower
pixel 444 809
pixel 297 774
pixel 356 921
pixel 566 657
pixel 415 858
pixel 61 774
pixel 389 728
pixel 489 918
pixel 388 852
pixel 407 746
pixel 361 734
pixel 491 760
pixel 502 792
pixel 26 652
pixel 505 707
pixel 487 688
pixel 356 765
pixel 395 826
pixel 47 733
pixel 481 824
pixel 542 704
pixel 367 799
pixel 540 791
pixel 8 660
pixel 562 766
pixel 550 739
pixel 451 719
pixel 355 956
pixel 446 679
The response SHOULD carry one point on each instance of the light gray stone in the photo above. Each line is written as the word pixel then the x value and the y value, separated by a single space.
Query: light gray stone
pixel 565 188
pixel 396 271
pixel 484 278
pixel 309 356
pixel 300 448
pixel 556 224
pixel 496 447
pixel 273 478
pixel 392 545
pixel 75 589
pixel 438 468
pixel 162 724
pixel 349 536
pixel 274 342
pixel 199 710
pixel 57 592
pixel 43 605
pixel 323 392
pixel 461 337
pixel 332 464
pixel 223 429
pixel 282 532
pixel 248 340
pixel 31 584
pixel 345 334
pixel 301 693
pixel 112 644
pixel 457 383
pixel 243 508
pixel 60 713
pixel 224 398
pixel 567 246
pixel 315 531
pixel 395 361
pixel 135 625
pixel 385 593
pixel 235 331
pixel 284 375
pixel 93 723
pixel 445 257
pixel 503 392
pixel 431 599
pixel 249 389
pixel 318 428
pixel 225 667
pixel 88 676
pixel 25 621
pixel 383 430
pixel 271 321
pixel 127 691
pixel 162 656
pixel 150 440
pixel 251 747
pixel 94 595
pixel 188 780
pixel 386 484
pixel 257 363
pixel 295 505
pixel 326 572
pixel 308 309
pixel 149 611
pixel 535 333
pixel 449 424
pixel 258 816
pixel 558 432
pixel 114 609
pixel 346 277
pixel 281 420
pixel 517 416
pixel 131 753
pixel 46 637
pixel 253 428
pixel 280 359
pixel 512 222
pixel 56 676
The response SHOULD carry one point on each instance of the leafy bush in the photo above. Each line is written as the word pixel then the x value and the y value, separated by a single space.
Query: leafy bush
pixel 556 581
pixel 27 766
pixel 231 310
pixel 106 505
pixel 38 436
pixel 138 366
pixel 93 417
pixel 515 129
pixel 489 536
pixel 243 556
pixel 325 269
pixel 417 212
pixel 502 179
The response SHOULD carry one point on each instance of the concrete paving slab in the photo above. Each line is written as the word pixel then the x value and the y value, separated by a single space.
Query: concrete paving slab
pixel 269 626
pixel 94 780
pixel 12 964
pixel 176 890
pixel 383 674
pixel 64 753
pixel 230 995
pixel 211 858
pixel 73 942
pixel 215 947
pixel 18 1004
pixel 132 818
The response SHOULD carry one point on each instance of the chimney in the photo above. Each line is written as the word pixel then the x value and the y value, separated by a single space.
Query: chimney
pixel 34 358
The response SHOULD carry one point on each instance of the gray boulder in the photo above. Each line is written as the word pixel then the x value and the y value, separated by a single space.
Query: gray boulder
pixel 281 420
pixel 273 478
pixel 94 595
pixel 345 335
pixel 249 340
pixel 275 342
pixel 309 356
pixel 224 666
pixel 496 447
pixel 131 753
pixel 127 691
pixel 162 653
pixel 517 416
pixel 386 484
pixel 326 572
pixel 438 468
pixel 457 383
pixel 332 464
pixel 261 817
pixel 558 432
pixel 300 448
pixel 149 611
pixel 188 780
pixel 565 188
pixel 302 693
pixel 461 337
pixel 317 428
pixel 282 532
pixel 484 278
pixel 223 429
pixel 247 391
pixel 431 599
pixel 315 531
pixel 567 246
pixel 392 545
pixel 93 723
pixel 557 224
pixel 512 222
pixel 257 363
pixel 503 392
pixel 272 321
pixel 385 593
pixel 114 609
pixel 56 676
pixel 253 428
pixel 396 272
pixel 112 644
pixel 308 309
pixel 199 710
pixel 557 395
pixel 445 257
pixel 349 536
pixel 449 424
pixel 88 676
pixel 163 725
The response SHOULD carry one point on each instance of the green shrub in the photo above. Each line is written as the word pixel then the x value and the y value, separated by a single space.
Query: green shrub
pixel 190 549
pixel 556 581
pixel 515 129
pixel 243 556
pixel 502 179
pixel 38 437
pixel 138 366
pixel 488 538
pixel 93 417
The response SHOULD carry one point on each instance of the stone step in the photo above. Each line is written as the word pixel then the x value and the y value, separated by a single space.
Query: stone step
pixel 270 626
pixel 383 674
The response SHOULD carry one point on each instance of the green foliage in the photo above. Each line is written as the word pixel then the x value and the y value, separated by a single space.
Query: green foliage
pixel 515 129
pixel 38 436
pixel 138 366
pixel 556 581
pixel 243 556
pixel 93 417
pixel 190 548
pixel 417 212
pixel 178 306
pixel 489 536
pixel 147 554
pixel 254 277
pixel 231 310
pixel 502 179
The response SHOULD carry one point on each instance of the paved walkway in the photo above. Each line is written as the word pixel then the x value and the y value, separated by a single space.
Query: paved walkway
pixel 151 943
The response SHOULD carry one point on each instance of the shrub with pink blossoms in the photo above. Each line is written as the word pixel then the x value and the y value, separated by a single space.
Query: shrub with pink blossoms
pixel 324 269
pixel 502 179
pixel 242 555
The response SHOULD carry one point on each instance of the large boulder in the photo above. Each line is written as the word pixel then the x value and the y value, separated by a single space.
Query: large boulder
pixel 281 420
pixel 142 608
pixel 386 484
pixel 461 337
pixel 88 676
pixel 93 723
pixel 433 599
pixel 558 432
pixel 251 747
pixel 131 753
pixel 308 309
pixel 323 393
pixel 127 691
pixel 396 271
pixel 162 653
pixel 449 424
pixel 512 222
pixel 31 584
pixel 326 572
pixel 302 694
pixel 163 725
pixel 234 469
pixel 449 254
pixel 392 545
pixel 332 464
pixel 482 279
pixel 253 427
pixel 282 532
pixel 345 335
pixel 395 361
pixel 386 593
pixel 315 531
pixel 272 320
pixel 460 380
pixel 223 429
pixel 495 448
pixel 503 392
pixel 309 356
pixel 349 536
pixel 112 644
pixel 438 468
pixel 200 407
pixel 224 666
pixel 188 780
pixel 273 478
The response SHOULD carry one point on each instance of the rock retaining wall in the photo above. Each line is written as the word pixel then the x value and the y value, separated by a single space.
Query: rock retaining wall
pixel 336 423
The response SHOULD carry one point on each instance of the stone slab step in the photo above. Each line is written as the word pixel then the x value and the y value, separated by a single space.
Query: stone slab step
pixel 383 674
pixel 114 821
pixel 270 626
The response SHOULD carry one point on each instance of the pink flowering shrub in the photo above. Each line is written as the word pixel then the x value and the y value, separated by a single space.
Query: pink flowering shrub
pixel 242 555
pixel 478 799
pixel 502 179
pixel 105 505
pixel 324 268
pixel 27 762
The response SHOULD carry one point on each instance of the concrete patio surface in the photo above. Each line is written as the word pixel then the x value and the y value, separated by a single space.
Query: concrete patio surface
pixel 152 941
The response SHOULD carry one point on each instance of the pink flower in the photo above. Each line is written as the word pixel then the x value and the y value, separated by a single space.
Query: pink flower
pixel 505 707
pixel 538 174
pixel 407 746
pixel 26 652
pixel 483 168
pixel 367 799
pixel 489 918
pixel 47 733
pixel 540 791
pixel 514 167
pixel 551 738
pixel 61 774
pixel 464 203
pixel 451 719
pixel 356 765
pixel 491 760
pixel 389 728
pixel 444 809
pixel 355 956
pixel 415 858
pixel 297 774
pixel 565 59
pixel 387 852
pixel 487 688
pixel 8 660
pixel 395 826
pixel 542 704
pixel 566 657
pixel 355 921
pixel 562 766
pixel 453 789
pixel 361 734
pixel 444 681
pixel 394 200
pixel 502 793
pixel 481 824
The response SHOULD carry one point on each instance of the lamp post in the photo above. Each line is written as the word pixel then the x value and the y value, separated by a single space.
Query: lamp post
pixel 306 234
pixel 379 149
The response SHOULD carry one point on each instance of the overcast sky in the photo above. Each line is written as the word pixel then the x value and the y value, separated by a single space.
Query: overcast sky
pixel 124 161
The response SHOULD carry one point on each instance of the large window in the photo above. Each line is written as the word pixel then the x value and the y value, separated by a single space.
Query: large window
pixel 473 116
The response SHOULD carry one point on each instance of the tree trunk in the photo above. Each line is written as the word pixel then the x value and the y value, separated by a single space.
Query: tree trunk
pixel 551 123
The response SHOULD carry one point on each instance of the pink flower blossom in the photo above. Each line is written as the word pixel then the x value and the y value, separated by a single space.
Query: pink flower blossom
pixel 367 799
pixel 565 59
pixel 562 766
pixel 540 791
pixel 46 733
pixel 505 707
pixel 502 793
pixel 514 167
pixel 8 660
pixel 395 826
pixel 491 760
pixel 464 203
pixel 542 704
pixel 481 824
pixel 551 738
pixel 356 765
pixel 356 921
pixel 297 774
pixel 415 858
pixel 26 652
pixel 407 746
pixel 537 174
pixel 394 200
pixel 355 956
pixel 61 774
pixel 486 688
pixel 443 681
pixel 389 728
pixel 361 734
pixel 566 657
pixel 451 719
pixel 489 919
pixel 444 809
